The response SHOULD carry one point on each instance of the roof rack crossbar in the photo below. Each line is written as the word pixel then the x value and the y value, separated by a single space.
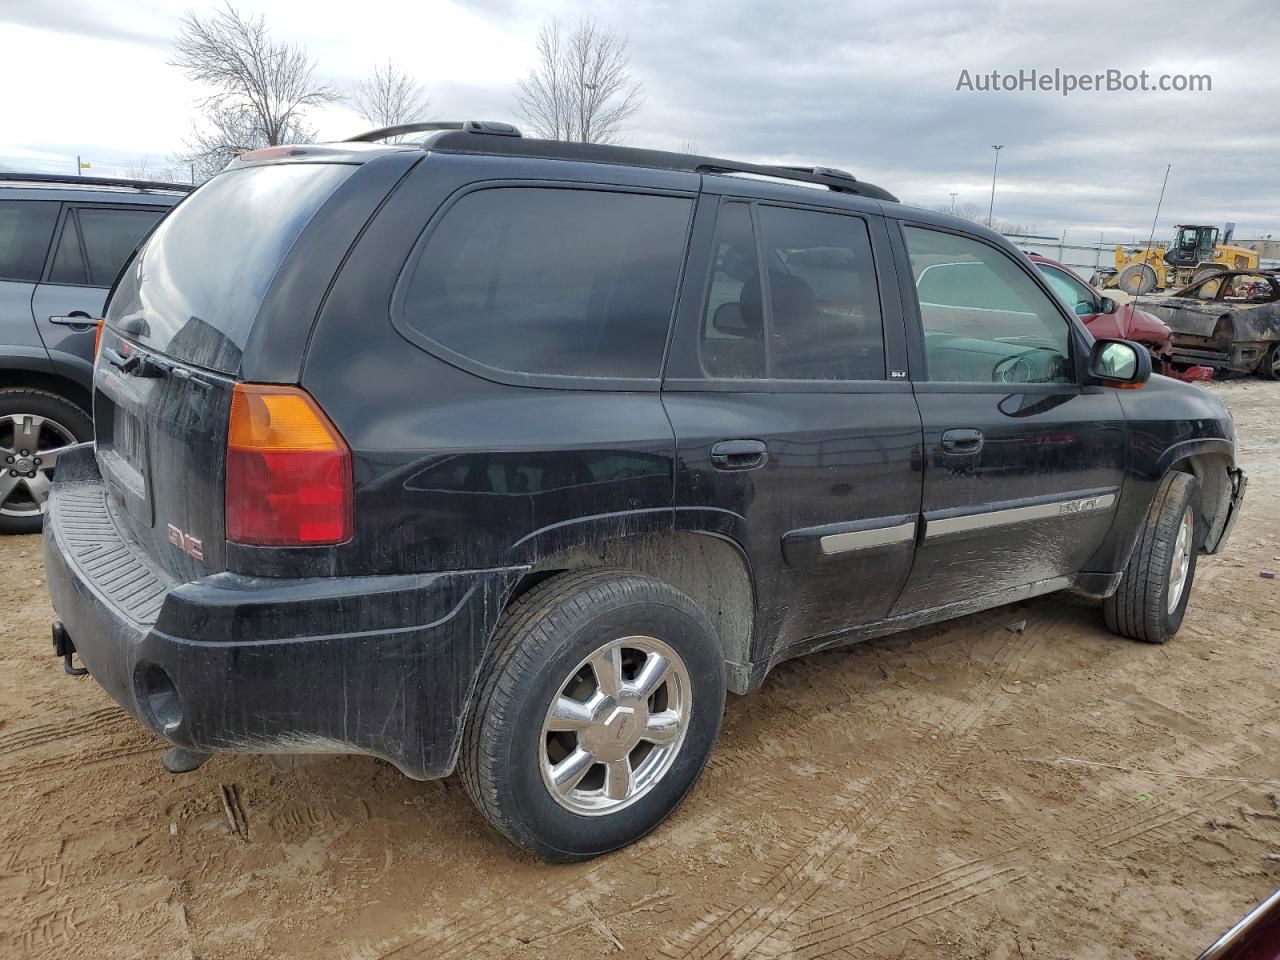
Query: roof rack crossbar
pixel 470 126
pixel 93 181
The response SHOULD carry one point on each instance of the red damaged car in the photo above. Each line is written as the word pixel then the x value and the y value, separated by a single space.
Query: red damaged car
pixel 1104 318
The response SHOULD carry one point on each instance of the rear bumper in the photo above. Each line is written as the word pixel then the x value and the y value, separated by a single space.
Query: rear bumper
pixel 376 665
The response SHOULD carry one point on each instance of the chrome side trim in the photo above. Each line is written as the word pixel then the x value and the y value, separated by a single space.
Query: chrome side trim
pixel 863 539
pixel 1000 518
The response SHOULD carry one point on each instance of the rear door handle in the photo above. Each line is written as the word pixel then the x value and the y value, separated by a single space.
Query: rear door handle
pixel 739 454
pixel 963 440
pixel 74 320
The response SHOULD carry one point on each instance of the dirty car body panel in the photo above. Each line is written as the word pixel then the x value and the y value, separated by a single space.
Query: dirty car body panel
pixel 801 508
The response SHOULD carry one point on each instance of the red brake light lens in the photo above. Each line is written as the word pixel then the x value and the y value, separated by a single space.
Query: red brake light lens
pixel 288 470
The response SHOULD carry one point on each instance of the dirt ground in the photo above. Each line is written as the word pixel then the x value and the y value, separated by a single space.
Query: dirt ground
pixel 958 791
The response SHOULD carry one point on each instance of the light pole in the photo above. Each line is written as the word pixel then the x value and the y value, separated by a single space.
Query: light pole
pixel 997 147
pixel 953 203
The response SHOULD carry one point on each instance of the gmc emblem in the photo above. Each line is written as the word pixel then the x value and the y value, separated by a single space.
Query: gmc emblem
pixel 188 545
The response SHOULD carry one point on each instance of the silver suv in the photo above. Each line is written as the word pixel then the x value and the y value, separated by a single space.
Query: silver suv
pixel 62 242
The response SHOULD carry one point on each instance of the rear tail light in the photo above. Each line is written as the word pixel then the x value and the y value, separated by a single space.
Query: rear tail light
pixel 288 470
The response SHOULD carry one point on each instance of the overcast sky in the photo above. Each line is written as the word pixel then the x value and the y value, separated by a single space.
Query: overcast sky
pixel 870 87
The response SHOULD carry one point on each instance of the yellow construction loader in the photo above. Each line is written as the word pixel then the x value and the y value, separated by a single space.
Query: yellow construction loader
pixel 1194 253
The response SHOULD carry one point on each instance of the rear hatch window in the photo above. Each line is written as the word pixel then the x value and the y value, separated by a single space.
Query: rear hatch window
pixel 193 291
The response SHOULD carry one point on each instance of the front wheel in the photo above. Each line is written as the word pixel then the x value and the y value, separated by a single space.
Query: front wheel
pixel 1152 597
pixel 1270 366
pixel 1137 279
pixel 600 703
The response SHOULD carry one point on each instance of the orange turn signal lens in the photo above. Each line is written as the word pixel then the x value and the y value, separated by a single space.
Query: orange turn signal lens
pixel 97 339
pixel 273 418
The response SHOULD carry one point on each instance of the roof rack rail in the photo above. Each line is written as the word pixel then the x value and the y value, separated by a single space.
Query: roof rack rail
pixel 841 181
pixel 458 138
pixel 470 126
pixel 94 181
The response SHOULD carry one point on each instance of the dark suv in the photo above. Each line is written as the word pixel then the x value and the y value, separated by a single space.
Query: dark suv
pixel 62 242
pixel 514 455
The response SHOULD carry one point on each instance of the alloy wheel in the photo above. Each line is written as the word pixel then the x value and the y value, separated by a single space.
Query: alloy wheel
pixel 29 449
pixel 616 725
pixel 1180 563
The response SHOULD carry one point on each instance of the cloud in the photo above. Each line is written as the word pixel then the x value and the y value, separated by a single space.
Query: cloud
pixel 869 87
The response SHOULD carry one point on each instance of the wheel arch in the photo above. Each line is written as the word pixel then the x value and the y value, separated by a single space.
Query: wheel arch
pixel 711 569
pixel 25 378
pixel 1209 461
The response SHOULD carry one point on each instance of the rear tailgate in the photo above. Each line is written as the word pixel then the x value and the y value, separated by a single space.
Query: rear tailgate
pixel 176 330
pixel 161 435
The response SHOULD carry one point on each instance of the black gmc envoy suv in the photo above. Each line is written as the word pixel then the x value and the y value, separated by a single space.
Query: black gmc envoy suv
pixel 514 455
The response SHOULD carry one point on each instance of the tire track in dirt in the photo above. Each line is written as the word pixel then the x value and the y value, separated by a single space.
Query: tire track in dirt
pixel 39 769
pixel 1123 827
pixel 48 931
pixel 792 884
pixel 787 886
pixel 102 720
pixel 840 932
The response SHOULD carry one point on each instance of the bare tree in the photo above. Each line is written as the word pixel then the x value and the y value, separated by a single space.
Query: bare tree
pixel 389 96
pixel 975 213
pixel 582 88
pixel 689 145
pixel 262 88
pixel 147 169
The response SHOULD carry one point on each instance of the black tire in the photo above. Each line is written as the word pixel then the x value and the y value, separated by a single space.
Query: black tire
pixel 41 403
pixel 1270 366
pixel 1140 606
pixel 543 636
pixel 1205 272
pixel 1137 279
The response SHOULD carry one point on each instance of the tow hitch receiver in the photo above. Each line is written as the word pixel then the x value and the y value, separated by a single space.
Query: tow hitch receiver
pixel 64 648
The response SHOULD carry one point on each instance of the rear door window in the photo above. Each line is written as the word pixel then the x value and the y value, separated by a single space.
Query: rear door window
pixel 68 256
pixel 824 303
pixel 26 227
pixel 195 287
pixel 550 281
pixel 110 236
pixel 823 319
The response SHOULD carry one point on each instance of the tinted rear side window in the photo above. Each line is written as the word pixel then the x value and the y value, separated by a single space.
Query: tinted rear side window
pixel 550 281
pixel 109 238
pixel 199 280
pixel 26 226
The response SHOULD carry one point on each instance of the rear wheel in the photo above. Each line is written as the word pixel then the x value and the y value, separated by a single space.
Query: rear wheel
pixel 1137 279
pixel 601 701
pixel 35 427
pixel 1153 593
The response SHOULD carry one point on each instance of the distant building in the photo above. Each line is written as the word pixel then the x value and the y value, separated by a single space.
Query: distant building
pixel 1267 248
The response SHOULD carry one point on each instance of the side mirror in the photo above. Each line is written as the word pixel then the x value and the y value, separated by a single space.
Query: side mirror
pixel 1119 363
pixel 1108 305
